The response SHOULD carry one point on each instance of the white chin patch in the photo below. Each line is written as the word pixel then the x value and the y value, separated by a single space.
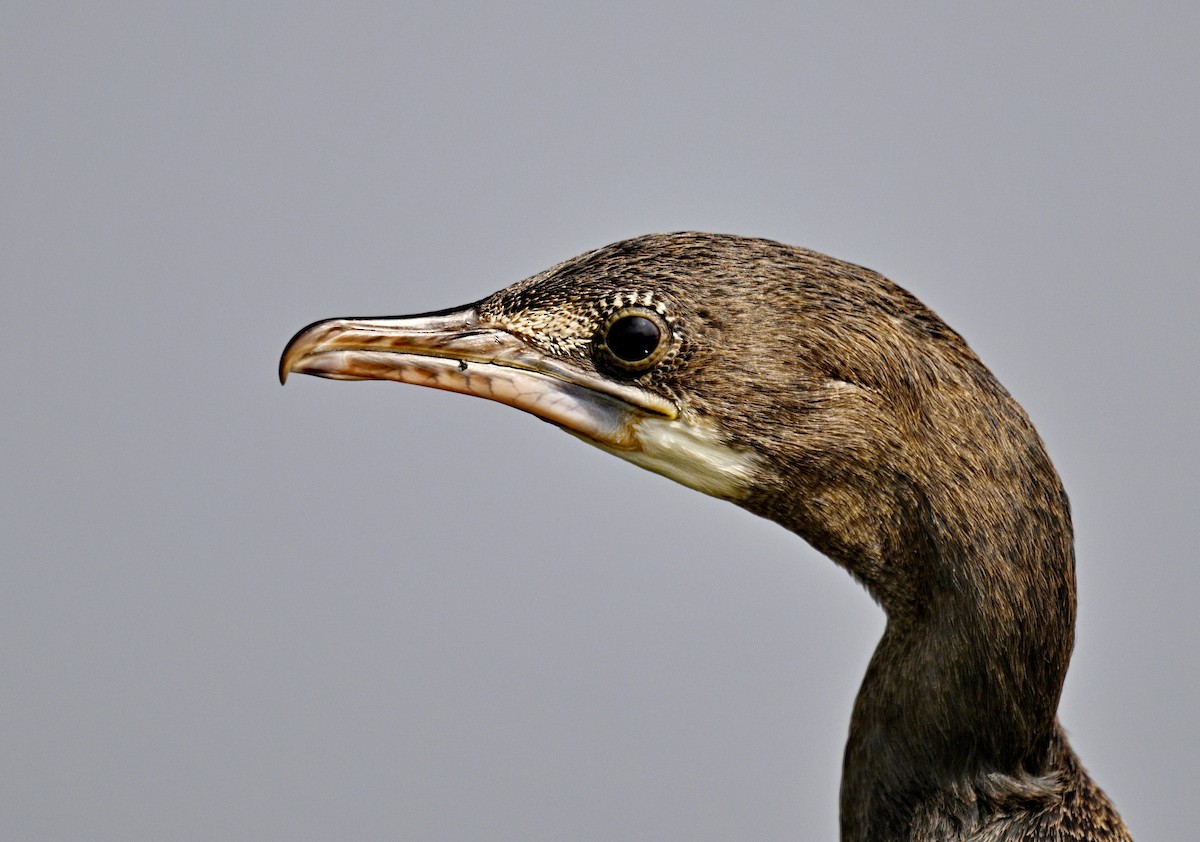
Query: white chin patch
pixel 692 455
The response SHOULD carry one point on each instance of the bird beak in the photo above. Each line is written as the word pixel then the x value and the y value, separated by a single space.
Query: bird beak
pixel 453 350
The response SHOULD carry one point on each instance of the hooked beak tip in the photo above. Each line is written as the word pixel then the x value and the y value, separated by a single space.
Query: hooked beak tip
pixel 300 345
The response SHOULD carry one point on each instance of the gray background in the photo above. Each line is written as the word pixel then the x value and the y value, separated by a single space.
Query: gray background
pixel 361 611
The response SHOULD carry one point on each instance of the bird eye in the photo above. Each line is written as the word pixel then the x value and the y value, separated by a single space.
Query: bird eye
pixel 635 340
pixel 632 338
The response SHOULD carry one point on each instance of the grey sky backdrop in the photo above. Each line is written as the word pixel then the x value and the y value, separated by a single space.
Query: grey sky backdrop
pixel 231 611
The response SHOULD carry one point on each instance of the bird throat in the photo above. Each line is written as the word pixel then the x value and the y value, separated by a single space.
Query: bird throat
pixel 689 453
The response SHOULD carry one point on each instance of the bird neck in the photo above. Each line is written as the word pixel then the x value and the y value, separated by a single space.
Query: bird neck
pixel 963 534
pixel 963 688
pixel 938 716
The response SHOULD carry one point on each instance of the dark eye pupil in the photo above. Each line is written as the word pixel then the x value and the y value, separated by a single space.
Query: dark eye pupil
pixel 632 338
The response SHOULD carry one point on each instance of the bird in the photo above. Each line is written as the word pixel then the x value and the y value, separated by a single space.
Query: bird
pixel 820 395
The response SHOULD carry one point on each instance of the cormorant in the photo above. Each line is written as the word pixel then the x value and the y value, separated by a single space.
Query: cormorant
pixel 824 397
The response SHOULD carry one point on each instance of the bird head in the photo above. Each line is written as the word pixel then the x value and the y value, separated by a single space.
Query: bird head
pixel 808 390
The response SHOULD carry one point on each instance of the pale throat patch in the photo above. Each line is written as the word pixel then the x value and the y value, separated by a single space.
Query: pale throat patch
pixel 693 455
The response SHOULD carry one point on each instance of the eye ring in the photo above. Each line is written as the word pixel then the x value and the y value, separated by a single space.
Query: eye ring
pixel 634 338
